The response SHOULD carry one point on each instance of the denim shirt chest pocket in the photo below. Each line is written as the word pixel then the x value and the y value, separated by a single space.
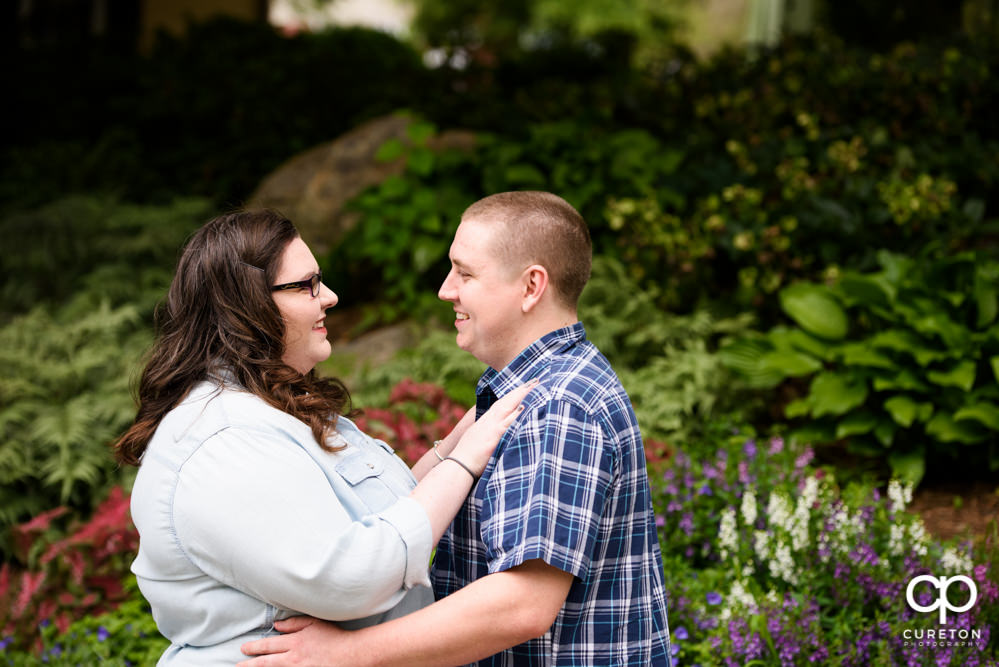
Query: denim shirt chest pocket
pixel 362 471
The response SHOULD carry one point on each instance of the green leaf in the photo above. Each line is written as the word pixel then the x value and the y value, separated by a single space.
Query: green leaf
pixel 928 319
pixel 420 161
pixel 815 310
pixel 420 132
pixel 994 362
pixel 789 363
pixel 944 428
pixel 908 466
pixel 856 423
pixel 898 340
pixel 986 298
pixel 885 432
pixel 961 376
pixel 986 414
pixel 870 290
pixel 797 408
pixel 836 394
pixel 862 354
pixel 390 150
pixel 816 432
pixel 902 409
pixel 744 356
pixel 524 176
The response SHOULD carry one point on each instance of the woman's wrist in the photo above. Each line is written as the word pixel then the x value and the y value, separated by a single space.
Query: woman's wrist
pixel 446 445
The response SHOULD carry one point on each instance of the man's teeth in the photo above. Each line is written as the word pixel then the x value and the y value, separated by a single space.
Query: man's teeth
pixel 461 316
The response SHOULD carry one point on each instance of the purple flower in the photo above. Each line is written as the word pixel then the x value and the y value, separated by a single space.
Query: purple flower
pixel 681 633
pixel 776 445
pixel 5 642
pixel 804 459
pixel 102 633
pixel 674 649
pixel 660 520
pixel 749 449
pixel 744 477
pixel 687 524
pixel 705 490
pixel 713 598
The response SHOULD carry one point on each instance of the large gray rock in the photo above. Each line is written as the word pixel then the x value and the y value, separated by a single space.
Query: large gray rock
pixel 313 187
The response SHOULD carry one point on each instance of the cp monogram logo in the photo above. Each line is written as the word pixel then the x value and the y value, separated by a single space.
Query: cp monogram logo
pixel 941 602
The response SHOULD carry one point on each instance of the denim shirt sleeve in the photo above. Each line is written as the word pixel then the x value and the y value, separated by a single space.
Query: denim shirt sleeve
pixel 257 513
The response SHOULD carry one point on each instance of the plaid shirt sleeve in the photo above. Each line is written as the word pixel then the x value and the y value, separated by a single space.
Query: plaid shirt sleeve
pixel 546 494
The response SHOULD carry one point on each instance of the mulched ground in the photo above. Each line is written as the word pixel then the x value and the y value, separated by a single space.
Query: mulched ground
pixel 951 509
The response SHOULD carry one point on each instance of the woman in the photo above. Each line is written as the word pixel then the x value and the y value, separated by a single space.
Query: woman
pixel 256 499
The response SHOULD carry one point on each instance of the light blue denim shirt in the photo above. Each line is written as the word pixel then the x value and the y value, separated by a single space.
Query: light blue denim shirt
pixel 243 520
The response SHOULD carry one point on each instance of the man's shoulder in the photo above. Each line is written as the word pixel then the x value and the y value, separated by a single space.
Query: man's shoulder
pixel 583 375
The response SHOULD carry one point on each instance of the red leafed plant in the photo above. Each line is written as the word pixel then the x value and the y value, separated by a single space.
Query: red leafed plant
pixel 63 579
pixel 418 414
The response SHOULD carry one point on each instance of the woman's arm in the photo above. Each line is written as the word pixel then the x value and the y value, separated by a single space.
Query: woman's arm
pixel 429 460
pixel 443 489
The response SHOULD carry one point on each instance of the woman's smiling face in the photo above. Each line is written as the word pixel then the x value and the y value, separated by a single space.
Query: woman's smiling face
pixel 305 343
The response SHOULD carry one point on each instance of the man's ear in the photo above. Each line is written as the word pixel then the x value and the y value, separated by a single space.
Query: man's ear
pixel 535 282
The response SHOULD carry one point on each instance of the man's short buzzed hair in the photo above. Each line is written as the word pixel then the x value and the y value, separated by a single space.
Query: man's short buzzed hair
pixel 540 228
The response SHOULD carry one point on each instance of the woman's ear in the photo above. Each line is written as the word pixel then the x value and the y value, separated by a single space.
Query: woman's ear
pixel 535 281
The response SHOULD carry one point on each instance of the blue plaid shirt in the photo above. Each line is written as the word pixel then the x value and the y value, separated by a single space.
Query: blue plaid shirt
pixel 568 485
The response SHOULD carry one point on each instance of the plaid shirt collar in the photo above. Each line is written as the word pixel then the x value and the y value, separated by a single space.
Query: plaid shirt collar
pixel 526 365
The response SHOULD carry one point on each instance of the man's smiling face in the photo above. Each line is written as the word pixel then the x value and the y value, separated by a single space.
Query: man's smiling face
pixel 486 295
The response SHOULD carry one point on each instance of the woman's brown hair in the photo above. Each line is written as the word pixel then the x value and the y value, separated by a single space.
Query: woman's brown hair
pixel 219 319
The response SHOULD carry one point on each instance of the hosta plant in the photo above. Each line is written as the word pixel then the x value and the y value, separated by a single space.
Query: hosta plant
pixel 901 363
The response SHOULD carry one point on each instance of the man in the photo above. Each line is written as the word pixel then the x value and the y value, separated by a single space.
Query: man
pixel 554 558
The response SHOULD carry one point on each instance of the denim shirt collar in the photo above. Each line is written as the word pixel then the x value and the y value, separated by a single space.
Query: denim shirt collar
pixel 530 361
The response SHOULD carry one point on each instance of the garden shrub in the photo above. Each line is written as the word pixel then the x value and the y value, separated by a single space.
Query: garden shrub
pixel 125 637
pixel 769 561
pixel 68 361
pixel 210 114
pixel 64 576
pixel 902 362
pixel 416 416
pixel 122 252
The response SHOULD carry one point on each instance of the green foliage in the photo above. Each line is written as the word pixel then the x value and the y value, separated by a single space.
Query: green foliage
pixel 66 576
pixel 121 252
pixel 499 27
pixel 901 362
pixel 667 363
pixel 770 561
pixel 121 638
pixel 399 247
pixel 207 115
pixel 69 360
pixel 406 224
pixel 65 397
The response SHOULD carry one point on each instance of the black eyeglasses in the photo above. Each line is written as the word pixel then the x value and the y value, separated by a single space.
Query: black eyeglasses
pixel 312 284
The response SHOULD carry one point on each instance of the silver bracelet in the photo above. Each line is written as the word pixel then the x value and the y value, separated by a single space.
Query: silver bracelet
pixel 467 469
pixel 439 457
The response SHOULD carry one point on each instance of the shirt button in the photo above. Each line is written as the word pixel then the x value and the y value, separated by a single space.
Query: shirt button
pixel 371 466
